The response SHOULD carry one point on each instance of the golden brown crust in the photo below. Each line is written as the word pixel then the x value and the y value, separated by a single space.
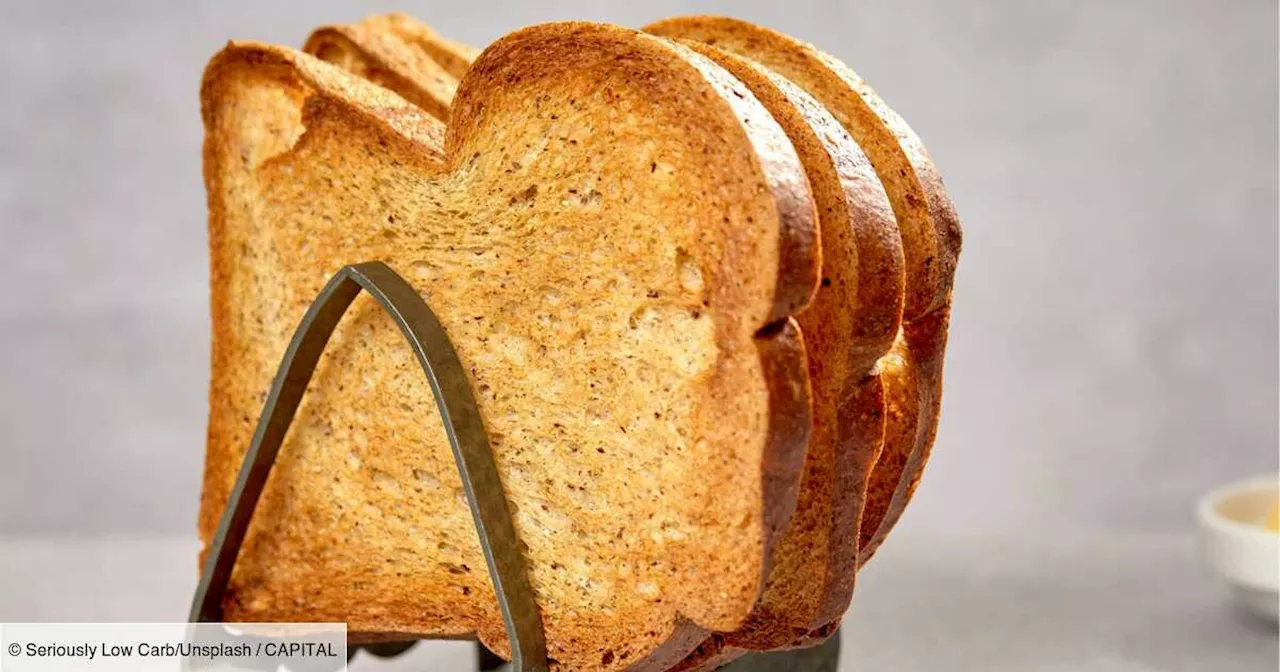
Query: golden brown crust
pixel 923 205
pixel 926 341
pixel 782 353
pixel 454 57
pixel 850 324
pixel 800 252
pixel 270 114
pixel 931 289
pixel 931 240
pixel 929 226
pixel 900 378
pixel 381 57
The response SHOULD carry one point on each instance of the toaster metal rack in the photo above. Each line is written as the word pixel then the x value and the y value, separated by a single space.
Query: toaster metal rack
pixel 472 454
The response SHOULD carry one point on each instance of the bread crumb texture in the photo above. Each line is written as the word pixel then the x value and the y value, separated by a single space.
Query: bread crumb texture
pixel 603 237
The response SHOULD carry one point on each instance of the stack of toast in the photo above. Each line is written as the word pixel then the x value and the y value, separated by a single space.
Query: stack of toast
pixel 700 277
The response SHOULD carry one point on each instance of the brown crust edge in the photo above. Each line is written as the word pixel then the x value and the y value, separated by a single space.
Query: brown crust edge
pixel 782 352
pixel 374 49
pixel 454 57
pixel 781 347
pixel 926 330
pixel 877 298
pixel 927 341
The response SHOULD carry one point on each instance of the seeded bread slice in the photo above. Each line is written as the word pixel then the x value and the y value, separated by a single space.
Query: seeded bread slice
pixel 614 233
pixel 931 238
pixel 399 53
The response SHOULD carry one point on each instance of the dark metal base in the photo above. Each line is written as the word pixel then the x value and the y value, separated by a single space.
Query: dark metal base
pixel 822 658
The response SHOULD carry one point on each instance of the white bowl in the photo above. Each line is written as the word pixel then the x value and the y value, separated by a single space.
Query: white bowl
pixel 1238 547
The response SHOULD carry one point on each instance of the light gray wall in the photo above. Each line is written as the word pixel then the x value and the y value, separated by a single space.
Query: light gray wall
pixel 1114 341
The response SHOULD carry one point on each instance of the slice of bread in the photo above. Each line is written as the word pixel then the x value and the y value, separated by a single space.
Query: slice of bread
pixel 912 373
pixel 850 325
pixel 844 331
pixel 805 590
pixel 383 51
pixel 614 232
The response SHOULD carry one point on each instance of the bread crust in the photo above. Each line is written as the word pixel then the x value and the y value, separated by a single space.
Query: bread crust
pixel 246 137
pixel 454 57
pixel 399 53
pixel 849 326
pixel 930 228
pixel 931 238
pixel 383 58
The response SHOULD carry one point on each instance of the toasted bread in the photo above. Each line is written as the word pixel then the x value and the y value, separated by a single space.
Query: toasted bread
pixel 384 58
pixel 399 53
pixel 614 235
pixel 850 325
pixel 911 375
pixel 927 221
pixel 454 57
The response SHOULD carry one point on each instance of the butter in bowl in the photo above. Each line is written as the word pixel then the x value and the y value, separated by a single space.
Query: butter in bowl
pixel 1240 539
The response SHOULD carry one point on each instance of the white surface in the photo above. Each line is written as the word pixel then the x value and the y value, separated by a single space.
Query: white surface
pixel 1238 547
pixel 1137 603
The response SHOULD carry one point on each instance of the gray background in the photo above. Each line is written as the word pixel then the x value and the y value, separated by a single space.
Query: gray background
pixel 1113 350
pixel 1114 343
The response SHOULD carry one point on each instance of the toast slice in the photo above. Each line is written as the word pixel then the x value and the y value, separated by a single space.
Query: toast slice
pixel 614 233
pixel 847 334
pixel 931 239
pixel 851 324
pixel 800 590
pixel 398 53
